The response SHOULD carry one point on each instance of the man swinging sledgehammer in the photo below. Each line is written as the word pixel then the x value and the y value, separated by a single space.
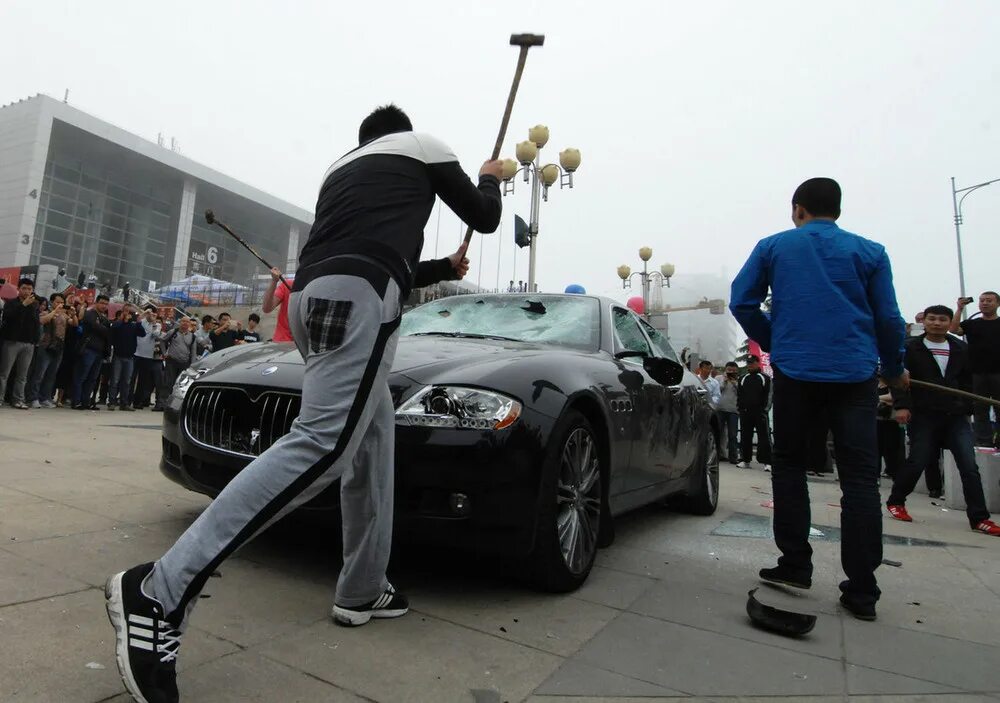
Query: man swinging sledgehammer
pixel 358 265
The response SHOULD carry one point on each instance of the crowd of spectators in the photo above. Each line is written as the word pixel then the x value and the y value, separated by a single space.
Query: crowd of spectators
pixel 60 352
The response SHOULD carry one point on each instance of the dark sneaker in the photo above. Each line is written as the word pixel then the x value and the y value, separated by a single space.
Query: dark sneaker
pixel 388 605
pixel 785 577
pixel 146 646
pixel 127 409
pixel 861 612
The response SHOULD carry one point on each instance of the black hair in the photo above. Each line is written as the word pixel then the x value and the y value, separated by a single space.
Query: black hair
pixel 207 318
pixel 102 297
pixel 386 119
pixel 254 317
pixel 52 298
pixel 731 363
pixel 991 292
pixel 705 362
pixel 224 314
pixel 940 310
pixel 26 282
pixel 753 359
pixel 820 197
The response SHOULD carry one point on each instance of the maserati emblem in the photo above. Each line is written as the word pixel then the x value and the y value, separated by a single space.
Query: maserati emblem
pixel 254 436
pixel 269 370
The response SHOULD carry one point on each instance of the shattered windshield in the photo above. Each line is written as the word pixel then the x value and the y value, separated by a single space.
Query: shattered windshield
pixel 572 321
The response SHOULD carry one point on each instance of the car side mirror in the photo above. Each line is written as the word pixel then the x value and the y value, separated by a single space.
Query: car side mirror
pixel 666 372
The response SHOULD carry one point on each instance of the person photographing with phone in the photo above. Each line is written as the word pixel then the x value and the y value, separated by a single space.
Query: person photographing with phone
pixel 982 333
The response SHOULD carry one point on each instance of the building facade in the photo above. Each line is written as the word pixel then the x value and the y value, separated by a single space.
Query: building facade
pixel 81 194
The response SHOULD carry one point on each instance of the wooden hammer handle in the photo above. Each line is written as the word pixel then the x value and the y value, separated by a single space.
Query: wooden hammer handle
pixel 521 58
pixel 955 391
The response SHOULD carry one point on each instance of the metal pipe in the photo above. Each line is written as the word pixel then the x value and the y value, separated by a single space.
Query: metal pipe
pixel 536 195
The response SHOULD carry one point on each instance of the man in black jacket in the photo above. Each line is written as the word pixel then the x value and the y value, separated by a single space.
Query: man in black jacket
pixel 18 337
pixel 355 271
pixel 93 347
pixel 939 420
pixel 754 400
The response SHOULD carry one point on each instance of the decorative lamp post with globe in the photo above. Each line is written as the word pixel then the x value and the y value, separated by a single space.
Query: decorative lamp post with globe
pixel 662 277
pixel 529 161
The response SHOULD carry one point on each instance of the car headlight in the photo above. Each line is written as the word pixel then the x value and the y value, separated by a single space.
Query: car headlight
pixel 463 408
pixel 185 379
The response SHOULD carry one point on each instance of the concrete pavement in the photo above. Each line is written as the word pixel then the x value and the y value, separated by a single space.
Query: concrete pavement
pixel 662 616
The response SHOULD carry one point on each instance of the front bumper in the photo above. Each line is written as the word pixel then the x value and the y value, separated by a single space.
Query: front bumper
pixel 496 473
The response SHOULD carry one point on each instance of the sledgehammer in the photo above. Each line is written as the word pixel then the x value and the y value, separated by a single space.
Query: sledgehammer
pixel 525 41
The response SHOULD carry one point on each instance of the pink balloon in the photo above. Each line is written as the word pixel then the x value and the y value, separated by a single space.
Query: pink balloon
pixel 635 305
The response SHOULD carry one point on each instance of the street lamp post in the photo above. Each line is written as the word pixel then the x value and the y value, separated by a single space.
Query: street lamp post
pixel 956 203
pixel 529 160
pixel 646 276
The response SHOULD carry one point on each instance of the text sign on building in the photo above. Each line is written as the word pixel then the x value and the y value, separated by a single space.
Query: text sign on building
pixel 205 259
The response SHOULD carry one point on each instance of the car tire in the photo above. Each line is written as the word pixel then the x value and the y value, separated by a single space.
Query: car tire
pixel 570 507
pixel 703 496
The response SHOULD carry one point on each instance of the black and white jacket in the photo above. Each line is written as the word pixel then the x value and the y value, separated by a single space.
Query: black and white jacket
pixel 376 199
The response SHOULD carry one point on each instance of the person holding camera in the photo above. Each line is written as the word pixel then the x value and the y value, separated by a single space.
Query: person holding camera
pixel 148 373
pixel 983 336
pixel 95 344
pixel 55 324
pixel 181 350
pixel 729 412
pixel 125 335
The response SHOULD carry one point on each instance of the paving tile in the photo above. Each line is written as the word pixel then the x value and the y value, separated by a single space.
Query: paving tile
pixel 140 508
pixel 553 623
pixel 59 489
pixel 47 519
pixel 251 603
pixel 576 678
pixel 431 660
pixel 726 614
pixel 927 698
pixel 93 556
pixel 246 676
pixel 45 647
pixel 871 681
pixel 23 580
pixel 10 497
pixel 615 589
pixel 965 665
pixel 707 663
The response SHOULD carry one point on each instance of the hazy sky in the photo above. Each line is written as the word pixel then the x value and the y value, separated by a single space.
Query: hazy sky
pixel 696 120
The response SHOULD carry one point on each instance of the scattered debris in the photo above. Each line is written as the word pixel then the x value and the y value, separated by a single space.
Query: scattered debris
pixel 813 532
pixel 920 622
pixel 892 562
pixel 767 504
pixel 551 636
pixel 782 622
pixel 49 462
pixel 205 595
pixel 914 602
pixel 503 629
pixel 834 505
pixel 800 677
pixel 516 620
pixel 95 665
pixel 216 575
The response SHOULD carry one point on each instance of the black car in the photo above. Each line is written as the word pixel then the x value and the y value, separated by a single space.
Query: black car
pixel 524 424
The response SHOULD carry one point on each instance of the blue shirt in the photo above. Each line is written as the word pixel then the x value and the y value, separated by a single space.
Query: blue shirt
pixel 833 306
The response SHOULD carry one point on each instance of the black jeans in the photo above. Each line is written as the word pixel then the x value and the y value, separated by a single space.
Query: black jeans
pixel 891 447
pixel 755 421
pixel 929 434
pixel 148 379
pixel 987 384
pixel 731 424
pixel 849 411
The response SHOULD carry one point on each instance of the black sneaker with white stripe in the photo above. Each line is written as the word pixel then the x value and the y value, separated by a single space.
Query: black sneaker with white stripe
pixel 388 605
pixel 146 645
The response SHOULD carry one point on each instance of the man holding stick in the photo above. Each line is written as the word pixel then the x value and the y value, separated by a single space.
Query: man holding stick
pixel 357 267
pixel 939 420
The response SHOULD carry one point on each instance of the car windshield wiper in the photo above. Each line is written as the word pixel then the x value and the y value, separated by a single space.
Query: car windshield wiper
pixel 467 335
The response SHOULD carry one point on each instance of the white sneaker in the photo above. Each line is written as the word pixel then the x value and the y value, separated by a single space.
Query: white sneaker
pixel 48 404
pixel 35 405
pixel 743 465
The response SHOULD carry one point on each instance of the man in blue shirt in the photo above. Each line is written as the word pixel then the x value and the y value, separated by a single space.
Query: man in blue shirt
pixel 833 318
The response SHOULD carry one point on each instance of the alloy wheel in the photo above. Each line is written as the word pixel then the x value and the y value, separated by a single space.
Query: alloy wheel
pixel 578 498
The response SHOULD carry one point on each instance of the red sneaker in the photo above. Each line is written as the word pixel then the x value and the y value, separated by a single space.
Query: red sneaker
pixel 899 512
pixel 988 527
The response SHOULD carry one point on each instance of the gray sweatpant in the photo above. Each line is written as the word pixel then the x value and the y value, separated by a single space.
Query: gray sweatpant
pixel 345 327
pixel 15 360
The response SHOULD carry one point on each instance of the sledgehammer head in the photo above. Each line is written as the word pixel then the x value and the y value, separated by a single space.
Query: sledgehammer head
pixel 209 217
pixel 527 39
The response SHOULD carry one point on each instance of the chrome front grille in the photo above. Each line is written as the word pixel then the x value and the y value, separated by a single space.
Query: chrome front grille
pixel 233 420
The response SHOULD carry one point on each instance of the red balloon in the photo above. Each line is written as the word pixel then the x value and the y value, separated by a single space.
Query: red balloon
pixel 635 305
